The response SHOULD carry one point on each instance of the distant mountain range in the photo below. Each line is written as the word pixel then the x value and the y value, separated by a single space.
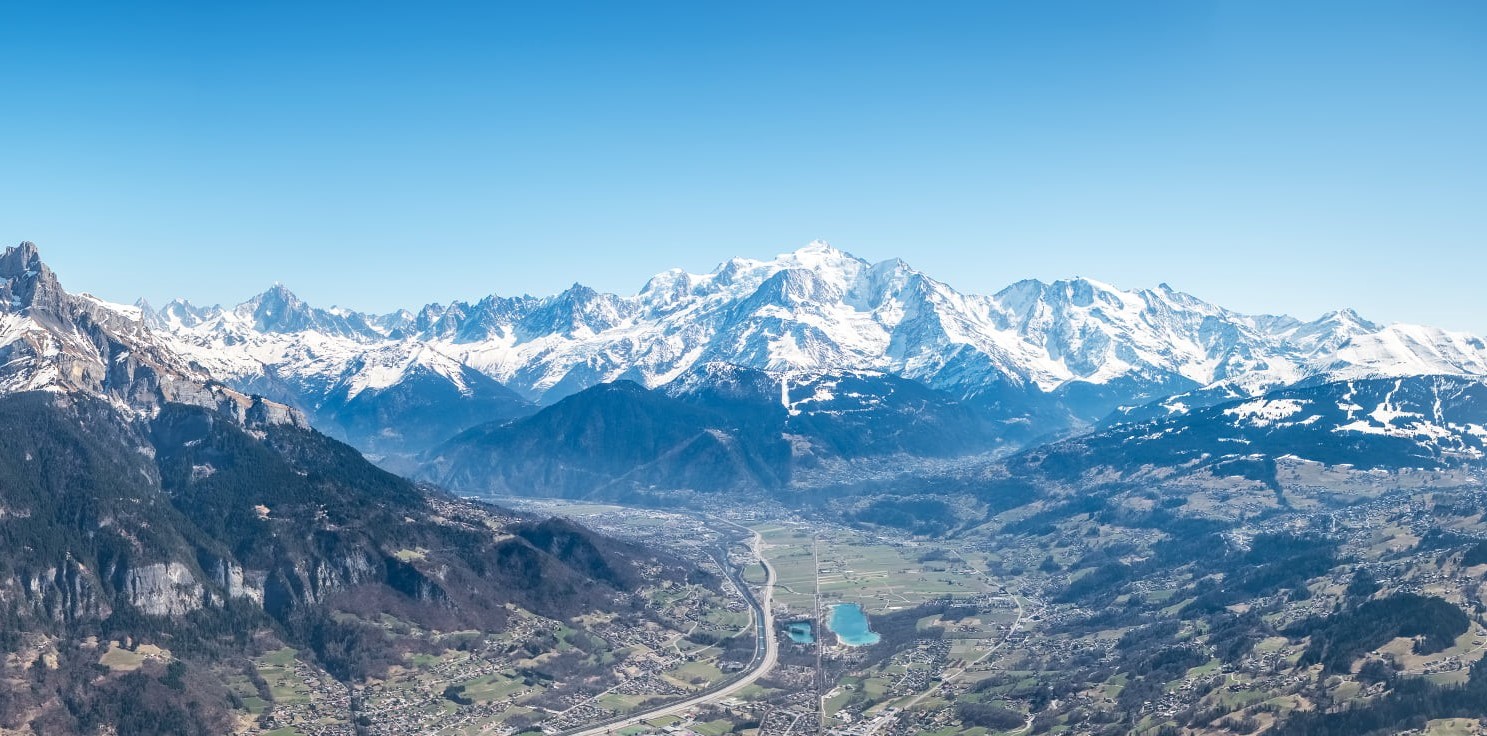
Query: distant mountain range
pixel 766 372
pixel 1086 344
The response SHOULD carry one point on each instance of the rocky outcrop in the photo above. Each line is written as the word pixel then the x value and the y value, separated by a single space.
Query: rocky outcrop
pixel 64 593
pixel 26 282
pixel 72 592
pixel 235 582
pixel 163 589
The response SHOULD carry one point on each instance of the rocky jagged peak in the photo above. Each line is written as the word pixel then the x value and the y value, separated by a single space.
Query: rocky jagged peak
pixel 577 294
pixel 1084 292
pixel 794 287
pixel 892 280
pixel 20 260
pixel 578 309
pixel 278 297
pixel 267 311
pixel 732 270
pixel 1350 320
pixel 185 313
pixel 175 314
pixel 279 310
pixel 397 325
pixel 27 284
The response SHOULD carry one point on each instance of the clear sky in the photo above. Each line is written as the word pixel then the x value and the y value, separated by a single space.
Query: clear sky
pixel 1266 155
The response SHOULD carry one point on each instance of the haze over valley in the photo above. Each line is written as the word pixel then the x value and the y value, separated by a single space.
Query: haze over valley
pixel 629 513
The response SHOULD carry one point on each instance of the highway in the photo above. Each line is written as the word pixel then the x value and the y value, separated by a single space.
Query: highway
pixel 766 651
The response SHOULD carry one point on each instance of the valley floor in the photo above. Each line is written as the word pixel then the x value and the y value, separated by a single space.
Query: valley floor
pixel 1070 616
pixel 1115 619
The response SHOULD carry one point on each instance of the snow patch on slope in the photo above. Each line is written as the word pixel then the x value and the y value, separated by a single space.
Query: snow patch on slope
pixel 1265 412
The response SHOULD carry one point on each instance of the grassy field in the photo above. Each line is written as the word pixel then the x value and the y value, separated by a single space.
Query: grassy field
pixel 120 659
pixel 492 687
pixel 853 567
pixel 712 728
pixel 621 703
pixel 789 550
pixel 694 674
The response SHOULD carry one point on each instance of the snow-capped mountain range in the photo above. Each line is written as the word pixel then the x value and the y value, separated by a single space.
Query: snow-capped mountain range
pixel 817 309
pixel 1039 358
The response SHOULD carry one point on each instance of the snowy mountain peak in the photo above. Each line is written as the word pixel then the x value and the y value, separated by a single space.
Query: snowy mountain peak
pixel 176 314
pixel 1085 290
pixel 1406 350
pixel 818 252
pixel 1328 333
pixel 279 310
pixel 1349 321
pixel 823 260
pixel 276 310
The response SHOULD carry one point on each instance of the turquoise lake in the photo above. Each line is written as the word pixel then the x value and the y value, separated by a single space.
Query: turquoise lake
pixel 849 622
pixel 800 633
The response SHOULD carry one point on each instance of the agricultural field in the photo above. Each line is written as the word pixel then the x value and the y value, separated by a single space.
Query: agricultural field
pixel 851 566
pixel 121 659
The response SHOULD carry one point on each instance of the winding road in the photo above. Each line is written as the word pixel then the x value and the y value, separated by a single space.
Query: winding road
pixel 766 651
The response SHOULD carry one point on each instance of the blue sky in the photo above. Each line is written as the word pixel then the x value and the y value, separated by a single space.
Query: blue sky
pixel 1266 155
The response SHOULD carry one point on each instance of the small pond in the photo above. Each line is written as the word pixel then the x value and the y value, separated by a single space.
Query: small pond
pixel 800 633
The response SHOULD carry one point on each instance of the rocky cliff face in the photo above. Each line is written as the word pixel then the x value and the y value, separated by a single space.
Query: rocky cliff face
pixel 63 593
pixel 71 591
pixel 235 582
pixel 163 589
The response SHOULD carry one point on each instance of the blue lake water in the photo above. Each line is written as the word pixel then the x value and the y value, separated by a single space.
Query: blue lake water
pixel 849 622
pixel 800 633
